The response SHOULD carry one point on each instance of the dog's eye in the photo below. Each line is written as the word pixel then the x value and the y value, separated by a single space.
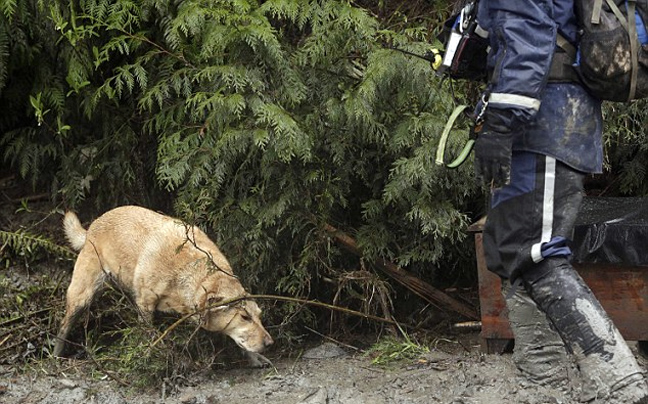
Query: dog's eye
pixel 245 317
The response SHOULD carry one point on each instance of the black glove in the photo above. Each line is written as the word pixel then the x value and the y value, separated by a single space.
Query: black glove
pixel 493 149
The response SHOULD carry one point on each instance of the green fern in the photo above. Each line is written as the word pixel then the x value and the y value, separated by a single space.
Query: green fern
pixel 29 245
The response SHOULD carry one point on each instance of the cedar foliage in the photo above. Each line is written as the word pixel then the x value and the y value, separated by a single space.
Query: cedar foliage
pixel 626 144
pixel 259 120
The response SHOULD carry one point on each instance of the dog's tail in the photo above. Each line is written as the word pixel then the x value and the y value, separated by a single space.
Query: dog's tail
pixel 74 232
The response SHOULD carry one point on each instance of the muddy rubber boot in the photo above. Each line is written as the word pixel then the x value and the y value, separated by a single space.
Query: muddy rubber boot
pixel 539 353
pixel 610 373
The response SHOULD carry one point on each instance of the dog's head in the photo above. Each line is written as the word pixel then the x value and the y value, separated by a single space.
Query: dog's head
pixel 240 320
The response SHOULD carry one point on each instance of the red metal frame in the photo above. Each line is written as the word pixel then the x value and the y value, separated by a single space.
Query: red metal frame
pixel 622 291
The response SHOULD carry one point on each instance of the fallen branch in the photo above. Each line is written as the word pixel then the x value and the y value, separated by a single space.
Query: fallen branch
pixel 335 341
pixel 416 285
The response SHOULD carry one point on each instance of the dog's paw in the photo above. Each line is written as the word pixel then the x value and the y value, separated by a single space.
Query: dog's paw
pixel 256 360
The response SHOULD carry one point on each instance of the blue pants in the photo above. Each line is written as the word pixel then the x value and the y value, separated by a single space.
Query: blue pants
pixel 533 217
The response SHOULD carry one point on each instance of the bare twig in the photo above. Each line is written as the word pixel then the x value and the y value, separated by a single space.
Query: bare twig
pixel 31 198
pixel 5 339
pixel 24 316
pixel 191 228
pixel 333 339
pixel 274 297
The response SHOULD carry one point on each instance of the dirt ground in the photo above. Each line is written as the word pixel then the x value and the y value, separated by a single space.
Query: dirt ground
pixel 454 371
pixel 326 374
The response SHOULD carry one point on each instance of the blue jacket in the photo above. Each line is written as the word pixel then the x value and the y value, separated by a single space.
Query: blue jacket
pixel 523 41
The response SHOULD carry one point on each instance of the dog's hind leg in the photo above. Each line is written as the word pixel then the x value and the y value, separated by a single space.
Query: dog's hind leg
pixel 87 280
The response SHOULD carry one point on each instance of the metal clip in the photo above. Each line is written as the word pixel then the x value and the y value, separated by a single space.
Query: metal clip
pixel 479 118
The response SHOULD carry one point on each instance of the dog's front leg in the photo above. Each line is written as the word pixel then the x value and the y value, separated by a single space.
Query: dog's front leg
pixel 146 301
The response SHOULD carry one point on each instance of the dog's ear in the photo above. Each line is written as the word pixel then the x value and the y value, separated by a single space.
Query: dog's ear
pixel 206 298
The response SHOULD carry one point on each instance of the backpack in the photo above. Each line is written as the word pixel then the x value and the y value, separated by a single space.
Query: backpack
pixel 612 56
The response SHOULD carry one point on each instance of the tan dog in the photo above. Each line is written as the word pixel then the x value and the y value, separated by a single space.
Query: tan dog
pixel 167 265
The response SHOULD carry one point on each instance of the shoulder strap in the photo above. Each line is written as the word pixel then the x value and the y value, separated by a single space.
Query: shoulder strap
pixel 619 15
pixel 634 47
pixel 631 29
pixel 596 12
pixel 564 44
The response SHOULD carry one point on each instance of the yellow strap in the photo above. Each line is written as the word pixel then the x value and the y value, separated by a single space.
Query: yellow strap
pixel 463 155
pixel 440 153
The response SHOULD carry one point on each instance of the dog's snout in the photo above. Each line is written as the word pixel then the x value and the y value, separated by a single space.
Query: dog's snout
pixel 267 340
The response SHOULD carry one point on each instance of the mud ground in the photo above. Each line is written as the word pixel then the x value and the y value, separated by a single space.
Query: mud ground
pixel 327 374
pixel 455 371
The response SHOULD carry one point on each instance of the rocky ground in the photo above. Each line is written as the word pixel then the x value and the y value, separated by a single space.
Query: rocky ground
pixel 326 374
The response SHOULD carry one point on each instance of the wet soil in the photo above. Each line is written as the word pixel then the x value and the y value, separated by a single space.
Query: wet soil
pixel 455 371
pixel 327 374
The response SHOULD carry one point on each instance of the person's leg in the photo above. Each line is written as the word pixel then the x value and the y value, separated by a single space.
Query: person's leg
pixel 539 352
pixel 525 239
pixel 608 368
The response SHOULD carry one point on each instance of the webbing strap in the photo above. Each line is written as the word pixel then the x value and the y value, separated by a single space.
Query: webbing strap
pixel 634 48
pixel 562 68
pixel 596 12
pixel 564 44
pixel 619 15
pixel 631 29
